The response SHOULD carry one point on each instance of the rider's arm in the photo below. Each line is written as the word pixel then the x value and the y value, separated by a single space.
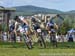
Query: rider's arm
pixel 56 26
pixel 47 26
pixel 15 28
pixel 15 25
pixel 23 20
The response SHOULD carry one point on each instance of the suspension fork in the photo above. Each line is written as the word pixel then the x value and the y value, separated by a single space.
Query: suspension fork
pixel 24 36
pixel 27 42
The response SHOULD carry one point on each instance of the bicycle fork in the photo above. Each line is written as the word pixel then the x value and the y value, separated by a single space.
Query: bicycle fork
pixel 27 41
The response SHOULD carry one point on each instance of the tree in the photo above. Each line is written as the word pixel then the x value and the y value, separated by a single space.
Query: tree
pixel 67 25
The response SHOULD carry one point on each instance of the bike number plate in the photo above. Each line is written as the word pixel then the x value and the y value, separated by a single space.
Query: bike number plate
pixel 38 30
pixel 22 30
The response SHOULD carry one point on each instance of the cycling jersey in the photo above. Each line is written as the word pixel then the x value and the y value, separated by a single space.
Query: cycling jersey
pixel 36 26
pixel 11 27
pixel 51 27
pixel 24 27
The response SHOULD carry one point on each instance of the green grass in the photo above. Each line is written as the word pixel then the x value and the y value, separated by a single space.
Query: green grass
pixel 19 49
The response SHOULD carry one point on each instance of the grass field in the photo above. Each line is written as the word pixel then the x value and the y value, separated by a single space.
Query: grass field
pixel 19 49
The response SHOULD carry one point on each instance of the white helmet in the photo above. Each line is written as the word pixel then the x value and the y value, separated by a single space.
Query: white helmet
pixel 21 17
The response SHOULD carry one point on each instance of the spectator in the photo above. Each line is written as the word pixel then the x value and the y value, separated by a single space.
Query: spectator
pixel 70 38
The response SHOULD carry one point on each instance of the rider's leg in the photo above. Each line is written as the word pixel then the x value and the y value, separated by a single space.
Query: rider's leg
pixel 54 41
pixel 29 38
pixel 26 41
pixel 40 42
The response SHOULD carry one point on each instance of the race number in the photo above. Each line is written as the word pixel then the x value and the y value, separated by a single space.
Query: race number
pixel 38 30
pixel 22 30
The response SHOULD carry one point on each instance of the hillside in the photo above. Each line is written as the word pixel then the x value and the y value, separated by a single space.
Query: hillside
pixel 29 10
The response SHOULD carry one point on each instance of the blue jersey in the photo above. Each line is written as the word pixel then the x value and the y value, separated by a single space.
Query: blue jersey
pixel 12 27
pixel 50 25
pixel 25 27
pixel 36 26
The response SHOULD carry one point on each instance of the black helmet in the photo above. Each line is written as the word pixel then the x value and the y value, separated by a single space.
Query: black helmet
pixel 16 17
pixel 33 19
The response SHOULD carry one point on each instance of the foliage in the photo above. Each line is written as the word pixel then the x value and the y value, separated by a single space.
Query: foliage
pixel 4 27
pixel 68 23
